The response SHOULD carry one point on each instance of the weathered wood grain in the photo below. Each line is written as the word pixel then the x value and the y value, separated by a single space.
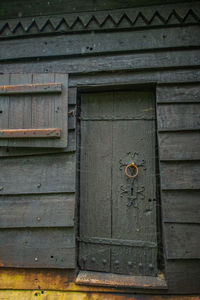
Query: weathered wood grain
pixel 101 63
pixel 95 187
pixel 178 117
pixel 36 111
pixel 43 8
pixel 38 174
pixel 125 281
pixel 178 272
pixel 18 112
pixel 30 133
pixel 71 142
pixel 30 89
pixel 183 276
pixel 178 93
pixel 71 117
pixel 55 210
pixel 4 152
pixel 37 248
pixel 72 97
pixel 4 103
pixel 179 145
pixel 104 42
pixel 181 206
pixel 134 78
pixel 182 241
pixel 114 125
pixel 180 175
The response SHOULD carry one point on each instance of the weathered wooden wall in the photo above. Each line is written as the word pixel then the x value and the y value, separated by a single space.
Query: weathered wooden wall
pixel 37 223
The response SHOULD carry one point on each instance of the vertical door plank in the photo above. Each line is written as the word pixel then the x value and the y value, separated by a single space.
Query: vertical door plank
pixel 95 183
pixel 95 171
pixel 134 140
pixel 133 201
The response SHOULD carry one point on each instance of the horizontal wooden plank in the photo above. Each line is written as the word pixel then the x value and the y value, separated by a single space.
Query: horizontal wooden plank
pixel 103 42
pixel 178 93
pixel 182 241
pixel 178 116
pixel 11 10
pixel 6 152
pixel 38 174
pixel 183 277
pixel 134 78
pixel 180 175
pixel 181 206
pixel 30 88
pixel 116 280
pixel 179 145
pixel 30 133
pixel 101 63
pixel 37 211
pixel 37 248
pixel 117 242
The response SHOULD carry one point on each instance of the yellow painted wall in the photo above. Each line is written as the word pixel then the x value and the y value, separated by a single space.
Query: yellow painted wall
pixel 54 295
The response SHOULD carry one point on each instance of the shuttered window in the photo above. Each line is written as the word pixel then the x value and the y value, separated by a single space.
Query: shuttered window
pixel 33 110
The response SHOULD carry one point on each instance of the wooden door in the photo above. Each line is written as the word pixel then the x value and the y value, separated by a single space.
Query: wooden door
pixel 117 230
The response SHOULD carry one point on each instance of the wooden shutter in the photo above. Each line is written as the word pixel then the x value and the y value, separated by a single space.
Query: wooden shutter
pixel 33 110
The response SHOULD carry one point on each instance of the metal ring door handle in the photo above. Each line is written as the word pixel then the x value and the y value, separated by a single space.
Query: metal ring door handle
pixel 134 166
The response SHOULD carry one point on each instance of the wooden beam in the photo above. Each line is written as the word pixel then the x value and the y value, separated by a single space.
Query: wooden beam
pixel 30 133
pixel 31 88
pixel 173 93
pixel 28 9
pixel 117 242
pixel 116 280
pixel 103 42
pixel 106 63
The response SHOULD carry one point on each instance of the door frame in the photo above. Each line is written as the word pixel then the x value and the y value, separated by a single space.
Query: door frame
pixel 118 280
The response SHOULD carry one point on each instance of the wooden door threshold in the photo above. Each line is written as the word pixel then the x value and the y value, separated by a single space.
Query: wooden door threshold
pixel 121 281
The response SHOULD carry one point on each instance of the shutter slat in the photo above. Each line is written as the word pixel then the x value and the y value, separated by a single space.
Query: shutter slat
pixel 25 133
pixel 30 88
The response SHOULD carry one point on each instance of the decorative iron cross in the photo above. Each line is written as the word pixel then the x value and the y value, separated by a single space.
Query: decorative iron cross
pixel 131 191
pixel 131 157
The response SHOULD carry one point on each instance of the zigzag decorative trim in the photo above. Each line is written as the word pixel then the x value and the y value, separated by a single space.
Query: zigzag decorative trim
pixel 164 15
